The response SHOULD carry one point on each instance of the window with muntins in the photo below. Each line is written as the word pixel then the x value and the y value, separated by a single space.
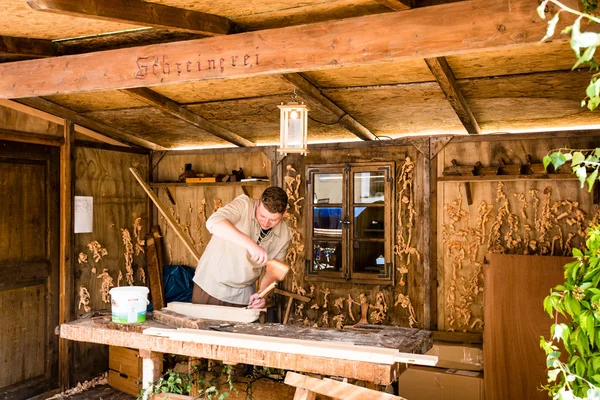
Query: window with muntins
pixel 349 223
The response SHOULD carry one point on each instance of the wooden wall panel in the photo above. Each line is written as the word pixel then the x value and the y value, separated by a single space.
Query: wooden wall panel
pixel 460 280
pixel 515 287
pixel 118 201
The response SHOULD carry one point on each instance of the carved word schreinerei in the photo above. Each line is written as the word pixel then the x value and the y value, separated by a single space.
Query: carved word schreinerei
pixel 156 66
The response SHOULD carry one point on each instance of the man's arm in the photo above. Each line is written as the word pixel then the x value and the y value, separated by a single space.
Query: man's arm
pixel 226 230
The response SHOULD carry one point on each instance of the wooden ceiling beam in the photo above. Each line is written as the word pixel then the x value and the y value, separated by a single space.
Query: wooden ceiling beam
pixel 175 109
pixel 313 93
pixel 139 13
pixel 466 27
pixel 445 77
pixel 26 47
pixel 63 112
pixel 397 5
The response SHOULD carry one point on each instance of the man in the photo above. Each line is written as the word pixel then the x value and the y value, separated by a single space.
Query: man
pixel 246 234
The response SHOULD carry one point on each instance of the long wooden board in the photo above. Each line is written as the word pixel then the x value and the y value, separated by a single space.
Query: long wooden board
pixel 515 287
pixel 335 350
pixel 447 29
pixel 402 339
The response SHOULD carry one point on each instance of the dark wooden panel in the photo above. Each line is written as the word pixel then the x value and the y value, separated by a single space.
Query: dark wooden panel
pixel 22 312
pixel 23 272
pixel 515 287
pixel 28 269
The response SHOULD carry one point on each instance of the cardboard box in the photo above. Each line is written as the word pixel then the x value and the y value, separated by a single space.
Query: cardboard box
pixel 125 370
pixel 456 356
pixel 427 383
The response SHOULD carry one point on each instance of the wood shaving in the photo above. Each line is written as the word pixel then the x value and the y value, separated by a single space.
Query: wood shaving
pixel 81 387
pixel 339 320
pixel 128 255
pixel 299 309
pixel 523 200
pixel 339 304
pixel 325 318
pixel 326 293
pixel 404 302
pixel 107 283
pixel 97 250
pixel 82 259
pixel 292 183
pixel 217 203
pixel 119 278
pixel 350 302
pixel 404 248
pixel 139 242
pixel 84 299
pixel 380 309
pixel 142 275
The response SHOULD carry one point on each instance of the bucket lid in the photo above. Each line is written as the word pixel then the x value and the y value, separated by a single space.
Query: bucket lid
pixel 128 289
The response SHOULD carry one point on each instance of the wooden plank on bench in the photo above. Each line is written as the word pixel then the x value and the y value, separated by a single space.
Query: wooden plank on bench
pixel 331 388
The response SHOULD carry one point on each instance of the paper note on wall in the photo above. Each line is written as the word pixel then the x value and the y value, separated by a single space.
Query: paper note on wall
pixel 84 214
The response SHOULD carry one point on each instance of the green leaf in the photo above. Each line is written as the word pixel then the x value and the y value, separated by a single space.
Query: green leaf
pixel 551 27
pixel 581 173
pixel 578 156
pixel 546 161
pixel 552 374
pixel 591 179
pixel 577 253
pixel 558 159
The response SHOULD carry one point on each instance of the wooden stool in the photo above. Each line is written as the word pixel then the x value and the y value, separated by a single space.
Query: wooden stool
pixel 307 388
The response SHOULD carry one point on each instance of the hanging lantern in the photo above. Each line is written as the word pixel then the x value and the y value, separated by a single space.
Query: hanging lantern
pixel 293 127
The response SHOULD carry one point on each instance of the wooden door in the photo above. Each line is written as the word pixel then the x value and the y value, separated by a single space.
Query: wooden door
pixel 29 257
pixel 514 290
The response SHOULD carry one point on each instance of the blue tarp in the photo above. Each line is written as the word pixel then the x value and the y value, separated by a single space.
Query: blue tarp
pixel 177 283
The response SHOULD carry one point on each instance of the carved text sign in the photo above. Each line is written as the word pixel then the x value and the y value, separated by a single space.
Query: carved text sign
pixel 162 65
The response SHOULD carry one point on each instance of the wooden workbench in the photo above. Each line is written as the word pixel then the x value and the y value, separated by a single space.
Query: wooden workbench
pixel 408 340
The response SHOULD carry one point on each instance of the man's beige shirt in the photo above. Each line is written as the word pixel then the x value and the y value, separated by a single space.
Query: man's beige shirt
pixel 224 270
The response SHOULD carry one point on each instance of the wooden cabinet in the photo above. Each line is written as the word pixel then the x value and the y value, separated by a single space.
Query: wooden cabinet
pixel 125 370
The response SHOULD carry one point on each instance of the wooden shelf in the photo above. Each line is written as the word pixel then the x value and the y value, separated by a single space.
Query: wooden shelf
pixel 495 178
pixel 183 184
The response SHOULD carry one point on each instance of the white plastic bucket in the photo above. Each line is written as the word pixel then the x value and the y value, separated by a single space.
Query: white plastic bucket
pixel 128 304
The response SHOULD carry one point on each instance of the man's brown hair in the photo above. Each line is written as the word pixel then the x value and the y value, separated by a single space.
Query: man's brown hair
pixel 274 199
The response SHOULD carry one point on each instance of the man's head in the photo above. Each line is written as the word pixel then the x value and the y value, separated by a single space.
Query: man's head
pixel 271 207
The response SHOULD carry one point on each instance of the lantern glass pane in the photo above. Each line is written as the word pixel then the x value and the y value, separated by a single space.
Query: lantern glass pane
pixel 295 129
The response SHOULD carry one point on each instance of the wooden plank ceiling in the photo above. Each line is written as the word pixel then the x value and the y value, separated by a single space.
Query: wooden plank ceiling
pixel 368 69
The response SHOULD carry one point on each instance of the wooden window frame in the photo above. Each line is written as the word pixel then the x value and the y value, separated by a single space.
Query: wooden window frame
pixel 347 239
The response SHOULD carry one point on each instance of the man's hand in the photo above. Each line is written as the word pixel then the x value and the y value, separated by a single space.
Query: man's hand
pixel 256 302
pixel 258 254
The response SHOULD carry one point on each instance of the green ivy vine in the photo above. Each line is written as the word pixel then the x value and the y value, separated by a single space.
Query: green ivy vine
pixel 578 300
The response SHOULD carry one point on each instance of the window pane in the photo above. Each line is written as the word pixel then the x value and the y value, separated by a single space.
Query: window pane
pixel 369 222
pixel 369 187
pixel 328 188
pixel 327 256
pixel 327 221
pixel 369 257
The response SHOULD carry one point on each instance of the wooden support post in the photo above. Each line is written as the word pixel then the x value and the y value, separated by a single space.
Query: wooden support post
pixel 427 237
pixel 304 394
pixel 152 365
pixel 66 250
